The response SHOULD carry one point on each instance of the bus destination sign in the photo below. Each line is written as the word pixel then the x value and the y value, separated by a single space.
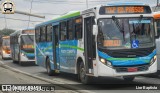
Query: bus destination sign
pixel 27 31
pixel 124 10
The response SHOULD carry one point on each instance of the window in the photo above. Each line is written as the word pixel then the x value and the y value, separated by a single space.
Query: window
pixel 70 29
pixel 37 34
pixel 43 33
pixel 78 28
pixel 63 30
pixel 49 33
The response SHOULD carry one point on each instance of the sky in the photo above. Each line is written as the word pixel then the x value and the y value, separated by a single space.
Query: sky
pixel 49 9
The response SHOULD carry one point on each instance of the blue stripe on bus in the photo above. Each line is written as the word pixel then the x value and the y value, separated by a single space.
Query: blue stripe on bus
pixel 127 61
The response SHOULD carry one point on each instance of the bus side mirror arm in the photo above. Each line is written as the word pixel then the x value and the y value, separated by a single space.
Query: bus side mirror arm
pixel 157 34
pixel 95 30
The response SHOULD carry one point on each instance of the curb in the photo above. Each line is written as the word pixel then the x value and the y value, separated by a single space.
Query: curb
pixel 64 85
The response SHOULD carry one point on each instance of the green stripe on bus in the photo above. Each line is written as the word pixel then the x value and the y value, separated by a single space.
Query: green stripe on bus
pixel 75 47
pixel 77 13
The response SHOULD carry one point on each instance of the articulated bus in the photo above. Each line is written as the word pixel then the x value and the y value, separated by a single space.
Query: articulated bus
pixel 117 39
pixel 22 46
pixel 157 24
pixel 5 47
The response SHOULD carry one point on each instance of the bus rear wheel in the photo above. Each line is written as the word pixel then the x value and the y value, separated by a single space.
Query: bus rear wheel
pixel 129 78
pixel 82 74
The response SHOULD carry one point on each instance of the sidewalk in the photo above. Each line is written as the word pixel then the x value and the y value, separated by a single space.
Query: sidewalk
pixel 10 77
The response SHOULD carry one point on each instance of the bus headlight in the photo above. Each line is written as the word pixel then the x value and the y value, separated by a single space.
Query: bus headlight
pixel 22 54
pixel 4 51
pixel 153 60
pixel 104 61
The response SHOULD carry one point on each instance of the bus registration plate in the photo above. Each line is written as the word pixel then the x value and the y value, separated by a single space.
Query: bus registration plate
pixel 134 69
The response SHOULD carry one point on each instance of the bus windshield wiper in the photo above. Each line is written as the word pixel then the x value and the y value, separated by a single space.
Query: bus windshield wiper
pixel 118 26
pixel 138 24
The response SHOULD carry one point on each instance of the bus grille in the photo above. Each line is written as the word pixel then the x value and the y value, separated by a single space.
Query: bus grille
pixel 128 53
pixel 125 69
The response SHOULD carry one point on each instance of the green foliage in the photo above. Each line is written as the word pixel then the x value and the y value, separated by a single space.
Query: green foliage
pixel 6 32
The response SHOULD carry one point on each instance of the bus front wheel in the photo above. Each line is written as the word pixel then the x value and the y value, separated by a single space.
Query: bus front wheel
pixel 48 67
pixel 82 74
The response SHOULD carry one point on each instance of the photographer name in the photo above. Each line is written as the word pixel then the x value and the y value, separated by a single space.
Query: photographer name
pixel 146 87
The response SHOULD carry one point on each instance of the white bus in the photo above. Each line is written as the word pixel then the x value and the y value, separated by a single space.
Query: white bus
pixel 117 39
pixel 5 47
pixel 157 24
pixel 22 46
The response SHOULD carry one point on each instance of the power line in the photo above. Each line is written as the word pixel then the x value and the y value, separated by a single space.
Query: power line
pixel 71 3
pixel 20 19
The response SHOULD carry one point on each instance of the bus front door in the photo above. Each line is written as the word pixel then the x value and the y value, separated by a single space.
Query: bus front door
pixel 56 46
pixel 89 44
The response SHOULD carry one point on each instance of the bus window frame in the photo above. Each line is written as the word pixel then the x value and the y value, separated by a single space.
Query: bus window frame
pixel 65 31
pixel 49 35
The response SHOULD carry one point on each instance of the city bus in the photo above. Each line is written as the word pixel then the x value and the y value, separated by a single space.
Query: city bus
pixel 116 39
pixel 157 24
pixel 5 47
pixel 22 46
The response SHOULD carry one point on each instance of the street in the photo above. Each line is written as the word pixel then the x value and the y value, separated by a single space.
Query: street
pixel 11 77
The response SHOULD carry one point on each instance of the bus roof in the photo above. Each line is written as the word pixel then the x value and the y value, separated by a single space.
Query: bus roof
pixel 125 3
pixel 65 16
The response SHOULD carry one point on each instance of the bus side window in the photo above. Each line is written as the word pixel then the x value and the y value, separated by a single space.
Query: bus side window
pixel 78 28
pixel 37 34
pixel 63 31
pixel 49 33
pixel 43 34
pixel 70 29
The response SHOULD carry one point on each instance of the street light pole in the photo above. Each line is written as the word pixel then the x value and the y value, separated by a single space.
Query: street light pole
pixel 25 13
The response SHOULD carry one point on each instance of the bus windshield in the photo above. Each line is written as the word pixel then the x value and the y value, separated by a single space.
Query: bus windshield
pixel 27 42
pixel 123 32
pixel 6 42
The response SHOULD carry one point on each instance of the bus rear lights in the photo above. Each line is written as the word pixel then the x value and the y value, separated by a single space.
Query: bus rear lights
pixel 153 60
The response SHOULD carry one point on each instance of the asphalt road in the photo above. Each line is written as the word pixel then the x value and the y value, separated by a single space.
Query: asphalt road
pixel 99 85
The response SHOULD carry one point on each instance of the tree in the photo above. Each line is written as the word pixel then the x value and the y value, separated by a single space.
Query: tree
pixel 6 32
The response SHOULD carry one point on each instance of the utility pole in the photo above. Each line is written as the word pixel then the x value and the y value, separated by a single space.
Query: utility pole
pixel 87 3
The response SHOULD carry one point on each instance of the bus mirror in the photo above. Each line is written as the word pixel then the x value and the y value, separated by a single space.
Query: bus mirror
pixel 95 29
pixel 19 41
pixel 157 32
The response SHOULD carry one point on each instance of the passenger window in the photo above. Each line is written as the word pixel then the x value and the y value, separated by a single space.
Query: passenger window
pixel 49 33
pixel 70 29
pixel 43 34
pixel 37 34
pixel 63 30
pixel 78 28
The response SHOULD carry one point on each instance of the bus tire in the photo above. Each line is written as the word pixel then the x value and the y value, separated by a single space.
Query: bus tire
pixel 14 61
pixel 21 63
pixel 48 67
pixel 82 74
pixel 129 78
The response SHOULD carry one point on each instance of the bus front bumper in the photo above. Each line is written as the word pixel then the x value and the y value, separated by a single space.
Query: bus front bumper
pixel 104 70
